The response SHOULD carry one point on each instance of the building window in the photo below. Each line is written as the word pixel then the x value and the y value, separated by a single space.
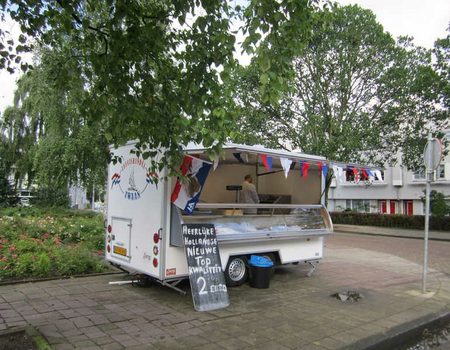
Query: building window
pixel 440 172
pixel 360 205
pixel 419 174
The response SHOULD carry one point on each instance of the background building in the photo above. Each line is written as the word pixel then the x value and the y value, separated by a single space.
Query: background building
pixel 400 191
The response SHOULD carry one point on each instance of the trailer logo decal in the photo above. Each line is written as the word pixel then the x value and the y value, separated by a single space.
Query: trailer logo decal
pixel 135 170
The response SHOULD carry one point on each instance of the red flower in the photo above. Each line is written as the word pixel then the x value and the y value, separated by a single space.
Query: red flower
pixel 12 248
pixel 14 256
pixel 33 257
pixel 6 268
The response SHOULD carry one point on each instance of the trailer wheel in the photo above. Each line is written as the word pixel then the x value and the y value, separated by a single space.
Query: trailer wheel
pixel 236 272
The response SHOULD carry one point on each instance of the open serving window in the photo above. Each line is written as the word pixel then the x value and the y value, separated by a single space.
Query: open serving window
pixel 290 198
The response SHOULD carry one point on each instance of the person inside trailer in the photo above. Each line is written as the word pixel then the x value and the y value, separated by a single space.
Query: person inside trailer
pixel 249 194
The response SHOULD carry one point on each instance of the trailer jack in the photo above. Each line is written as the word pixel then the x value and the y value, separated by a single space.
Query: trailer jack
pixel 173 285
pixel 313 264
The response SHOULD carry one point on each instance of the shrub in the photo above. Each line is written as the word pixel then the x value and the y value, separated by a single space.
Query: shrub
pixel 395 220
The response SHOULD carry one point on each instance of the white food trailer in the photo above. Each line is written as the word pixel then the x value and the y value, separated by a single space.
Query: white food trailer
pixel 288 226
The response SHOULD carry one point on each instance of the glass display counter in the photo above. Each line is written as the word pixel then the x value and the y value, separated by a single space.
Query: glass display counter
pixel 268 221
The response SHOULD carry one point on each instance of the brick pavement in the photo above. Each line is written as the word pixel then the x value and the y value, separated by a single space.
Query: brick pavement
pixel 296 312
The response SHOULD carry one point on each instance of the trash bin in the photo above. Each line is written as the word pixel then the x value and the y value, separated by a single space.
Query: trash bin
pixel 260 271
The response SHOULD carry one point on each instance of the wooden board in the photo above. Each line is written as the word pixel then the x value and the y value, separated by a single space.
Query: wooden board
pixel 207 280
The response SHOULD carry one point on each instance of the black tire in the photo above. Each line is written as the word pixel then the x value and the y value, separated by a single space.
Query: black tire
pixel 236 272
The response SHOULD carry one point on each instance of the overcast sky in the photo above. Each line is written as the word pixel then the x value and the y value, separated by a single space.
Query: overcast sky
pixel 425 20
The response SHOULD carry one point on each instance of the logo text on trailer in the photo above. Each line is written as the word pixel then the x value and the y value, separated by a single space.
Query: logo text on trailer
pixel 133 178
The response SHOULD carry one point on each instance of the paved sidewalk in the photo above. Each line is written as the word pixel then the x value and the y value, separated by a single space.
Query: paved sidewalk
pixel 393 232
pixel 296 312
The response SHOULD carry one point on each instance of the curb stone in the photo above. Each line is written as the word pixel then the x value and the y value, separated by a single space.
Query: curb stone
pixel 38 338
pixel 388 235
pixel 403 333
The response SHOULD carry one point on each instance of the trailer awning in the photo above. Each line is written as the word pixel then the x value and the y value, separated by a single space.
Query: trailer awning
pixel 249 155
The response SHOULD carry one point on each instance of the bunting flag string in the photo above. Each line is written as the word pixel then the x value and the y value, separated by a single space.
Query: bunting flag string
pixel 355 171
pixel 286 164
pixel 338 171
pixel 323 169
pixel 370 173
pixel 267 161
pixel 378 175
pixel 216 162
pixel 238 157
pixel 304 169
pixel 365 175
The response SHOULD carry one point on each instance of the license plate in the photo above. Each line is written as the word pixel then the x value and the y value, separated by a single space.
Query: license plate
pixel 120 251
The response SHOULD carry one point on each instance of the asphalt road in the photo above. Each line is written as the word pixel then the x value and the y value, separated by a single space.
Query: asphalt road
pixel 409 249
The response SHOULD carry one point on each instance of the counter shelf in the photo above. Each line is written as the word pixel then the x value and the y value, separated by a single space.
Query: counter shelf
pixel 272 221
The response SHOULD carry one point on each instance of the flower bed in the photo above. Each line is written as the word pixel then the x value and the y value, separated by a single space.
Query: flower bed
pixel 34 243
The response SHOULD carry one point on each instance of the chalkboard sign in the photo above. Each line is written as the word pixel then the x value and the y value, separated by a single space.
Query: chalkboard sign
pixel 208 287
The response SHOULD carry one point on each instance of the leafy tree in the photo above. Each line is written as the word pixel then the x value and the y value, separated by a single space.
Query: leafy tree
pixel 49 137
pixel 7 194
pixel 154 70
pixel 46 196
pixel 438 203
pixel 357 96
pixel 442 65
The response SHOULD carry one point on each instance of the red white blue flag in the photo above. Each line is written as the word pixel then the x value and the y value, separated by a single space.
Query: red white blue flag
pixel 186 195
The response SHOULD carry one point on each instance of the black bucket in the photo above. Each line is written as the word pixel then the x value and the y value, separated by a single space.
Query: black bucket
pixel 260 276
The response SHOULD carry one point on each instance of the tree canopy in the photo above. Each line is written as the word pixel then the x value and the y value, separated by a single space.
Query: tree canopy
pixel 357 95
pixel 151 70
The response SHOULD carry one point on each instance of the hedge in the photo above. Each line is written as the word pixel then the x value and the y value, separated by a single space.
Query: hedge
pixel 393 220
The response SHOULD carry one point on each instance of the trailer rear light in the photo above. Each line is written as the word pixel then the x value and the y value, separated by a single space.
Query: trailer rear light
pixel 156 238
pixel 155 262
pixel 109 228
pixel 155 250
pixel 108 248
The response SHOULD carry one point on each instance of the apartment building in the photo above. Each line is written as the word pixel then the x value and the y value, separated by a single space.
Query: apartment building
pixel 399 191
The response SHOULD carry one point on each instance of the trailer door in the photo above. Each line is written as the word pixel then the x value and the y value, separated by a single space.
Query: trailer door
pixel 121 238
